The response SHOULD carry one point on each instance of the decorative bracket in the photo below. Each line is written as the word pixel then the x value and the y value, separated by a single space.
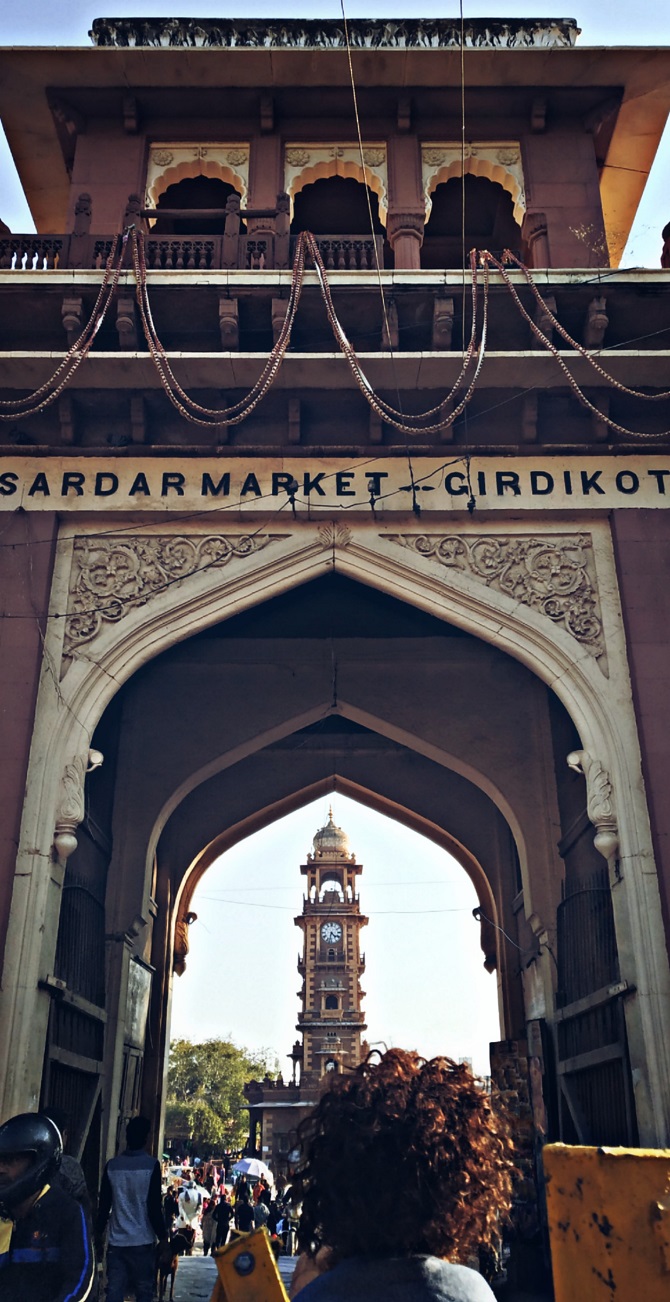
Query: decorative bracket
pixel 72 809
pixel 599 804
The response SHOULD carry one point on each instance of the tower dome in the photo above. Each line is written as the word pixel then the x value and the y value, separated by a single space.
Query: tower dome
pixel 331 840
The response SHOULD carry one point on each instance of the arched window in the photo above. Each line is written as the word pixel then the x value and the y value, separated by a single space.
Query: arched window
pixel 489 222
pixel 335 205
pixel 331 955
pixel 331 1001
pixel 194 192
pixel 331 1065
pixel 331 886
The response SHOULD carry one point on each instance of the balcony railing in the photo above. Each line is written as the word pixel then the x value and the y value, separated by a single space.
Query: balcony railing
pixel 184 252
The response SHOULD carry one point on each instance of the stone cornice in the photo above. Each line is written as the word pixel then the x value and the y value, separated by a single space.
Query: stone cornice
pixel 364 33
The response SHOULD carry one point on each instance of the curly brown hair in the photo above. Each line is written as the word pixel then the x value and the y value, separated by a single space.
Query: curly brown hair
pixel 403 1156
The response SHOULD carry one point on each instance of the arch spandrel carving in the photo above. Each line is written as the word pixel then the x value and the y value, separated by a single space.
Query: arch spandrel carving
pixel 112 576
pixel 305 163
pixel 170 163
pixel 551 574
pixel 498 161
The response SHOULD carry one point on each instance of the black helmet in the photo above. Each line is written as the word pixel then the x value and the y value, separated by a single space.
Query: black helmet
pixel 38 1137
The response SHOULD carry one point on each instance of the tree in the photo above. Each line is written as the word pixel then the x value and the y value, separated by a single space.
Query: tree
pixel 205 1099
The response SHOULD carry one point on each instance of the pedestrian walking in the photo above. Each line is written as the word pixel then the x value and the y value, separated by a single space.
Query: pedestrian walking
pixel 130 1199
pixel 170 1209
pixel 208 1226
pixel 261 1214
pixel 223 1213
pixel 46 1254
pixel 244 1214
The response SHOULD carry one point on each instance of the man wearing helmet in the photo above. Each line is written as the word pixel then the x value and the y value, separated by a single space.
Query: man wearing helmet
pixel 45 1247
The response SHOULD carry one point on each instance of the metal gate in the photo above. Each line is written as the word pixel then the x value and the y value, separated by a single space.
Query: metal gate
pixel 595 1094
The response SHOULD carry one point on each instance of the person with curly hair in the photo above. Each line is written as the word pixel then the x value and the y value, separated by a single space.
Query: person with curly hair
pixel 406 1172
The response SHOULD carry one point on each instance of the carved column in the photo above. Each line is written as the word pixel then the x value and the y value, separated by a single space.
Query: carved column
pixel 405 235
pixel 599 803
pixel 534 234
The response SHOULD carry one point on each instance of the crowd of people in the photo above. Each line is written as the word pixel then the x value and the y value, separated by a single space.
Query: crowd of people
pixel 406 1173
pixel 221 1210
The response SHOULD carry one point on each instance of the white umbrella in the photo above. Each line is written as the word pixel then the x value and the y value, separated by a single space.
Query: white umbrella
pixel 252 1166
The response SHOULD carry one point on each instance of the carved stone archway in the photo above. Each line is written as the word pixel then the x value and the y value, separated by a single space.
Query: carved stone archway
pixel 497 161
pixel 600 706
pixel 306 163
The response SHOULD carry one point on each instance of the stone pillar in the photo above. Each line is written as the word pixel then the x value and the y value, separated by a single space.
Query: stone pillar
pixel 405 235
pixel 534 234
pixel 265 183
pixel 26 567
pixel 562 182
pixel 642 550
pixel 266 178
pixel 406 207
pixel 109 165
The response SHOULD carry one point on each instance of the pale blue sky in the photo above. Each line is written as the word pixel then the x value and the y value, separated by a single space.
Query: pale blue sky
pixel 425 981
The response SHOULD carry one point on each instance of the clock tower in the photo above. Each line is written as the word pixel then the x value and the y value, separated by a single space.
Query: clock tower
pixel 331 1021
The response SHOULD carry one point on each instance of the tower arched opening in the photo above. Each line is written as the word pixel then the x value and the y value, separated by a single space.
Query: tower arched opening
pixel 336 205
pixel 197 194
pixel 489 221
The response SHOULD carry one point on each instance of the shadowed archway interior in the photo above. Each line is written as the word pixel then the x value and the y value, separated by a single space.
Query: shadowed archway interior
pixel 330 686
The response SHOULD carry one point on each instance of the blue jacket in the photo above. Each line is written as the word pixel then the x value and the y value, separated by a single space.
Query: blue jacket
pixel 47 1255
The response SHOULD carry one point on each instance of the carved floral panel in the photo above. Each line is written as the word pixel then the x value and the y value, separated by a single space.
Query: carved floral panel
pixel 112 576
pixel 553 575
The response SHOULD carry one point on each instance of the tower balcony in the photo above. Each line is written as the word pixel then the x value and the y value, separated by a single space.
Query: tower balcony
pixel 265 251
pixel 219 328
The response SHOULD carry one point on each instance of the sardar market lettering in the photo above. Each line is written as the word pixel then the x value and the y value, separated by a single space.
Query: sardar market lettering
pixel 105 483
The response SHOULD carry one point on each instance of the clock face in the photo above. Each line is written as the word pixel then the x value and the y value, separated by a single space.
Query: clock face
pixel 331 931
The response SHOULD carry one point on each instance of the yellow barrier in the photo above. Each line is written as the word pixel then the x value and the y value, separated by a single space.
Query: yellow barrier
pixel 609 1223
pixel 248 1271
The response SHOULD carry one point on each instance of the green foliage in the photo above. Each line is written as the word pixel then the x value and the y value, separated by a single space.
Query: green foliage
pixel 205 1099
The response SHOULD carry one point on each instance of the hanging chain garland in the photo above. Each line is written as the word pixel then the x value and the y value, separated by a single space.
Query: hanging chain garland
pixel 547 343
pixel 307 245
pixel 80 348
pixel 510 257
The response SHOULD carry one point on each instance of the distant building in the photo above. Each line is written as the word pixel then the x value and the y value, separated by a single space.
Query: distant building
pixel 330 1021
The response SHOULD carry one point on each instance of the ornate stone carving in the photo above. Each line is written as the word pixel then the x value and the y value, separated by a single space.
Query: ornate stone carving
pixel 599 802
pixel 111 576
pixel 552 575
pixel 305 162
pixel 237 156
pixel 71 808
pixel 509 156
pixel 296 157
pixel 181 941
pixel 498 160
pixel 364 33
pixel 433 157
pixel 173 161
pixel 71 805
pixel 334 535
